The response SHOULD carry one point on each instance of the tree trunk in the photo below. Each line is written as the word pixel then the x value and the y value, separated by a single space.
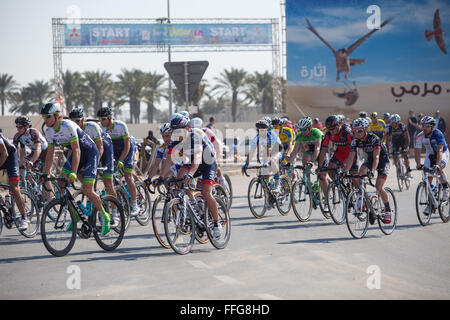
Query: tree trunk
pixel 150 113
pixel 3 107
pixel 234 106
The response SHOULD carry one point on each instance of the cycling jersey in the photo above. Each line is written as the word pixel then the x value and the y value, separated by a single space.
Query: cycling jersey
pixel 316 135
pixel 368 145
pixel 378 128
pixel 119 133
pixel 11 164
pixel 95 132
pixel 286 135
pixel 268 140
pixel 162 149
pixel 68 132
pixel 29 139
pixel 430 144
pixel 212 137
pixel 342 141
pixel 398 135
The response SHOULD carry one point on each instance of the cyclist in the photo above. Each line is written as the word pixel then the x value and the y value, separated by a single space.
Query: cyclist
pixel 161 153
pixel 377 126
pixel 105 149
pixel 199 159
pixel 266 142
pixel 436 151
pixel 83 159
pixel 341 136
pixel 377 159
pixel 286 135
pixel 307 138
pixel 10 162
pixel 124 148
pixel 31 138
pixel 398 134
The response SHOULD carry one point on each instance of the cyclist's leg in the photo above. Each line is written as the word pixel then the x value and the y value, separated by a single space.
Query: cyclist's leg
pixel 209 172
pixel 128 165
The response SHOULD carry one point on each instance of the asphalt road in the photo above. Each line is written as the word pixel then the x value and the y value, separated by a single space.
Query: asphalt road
pixel 271 258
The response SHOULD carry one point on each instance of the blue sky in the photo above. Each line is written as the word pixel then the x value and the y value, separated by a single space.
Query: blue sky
pixel 398 52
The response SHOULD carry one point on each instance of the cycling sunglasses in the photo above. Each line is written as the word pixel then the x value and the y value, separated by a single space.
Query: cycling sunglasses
pixel 358 130
pixel 46 116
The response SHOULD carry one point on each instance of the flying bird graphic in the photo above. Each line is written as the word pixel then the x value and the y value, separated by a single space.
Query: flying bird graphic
pixel 342 56
pixel 437 32
pixel 350 96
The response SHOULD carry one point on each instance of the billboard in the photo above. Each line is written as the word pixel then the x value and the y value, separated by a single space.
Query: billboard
pixel 113 35
pixel 349 56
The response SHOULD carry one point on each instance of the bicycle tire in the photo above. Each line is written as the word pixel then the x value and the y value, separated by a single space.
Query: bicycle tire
pixel 201 235
pixel 48 226
pixel 284 197
pixel 123 199
pixel 399 176
pixel 394 214
pixel 229 188
pixel 259 192
pixel 334 193
pixel 119 231
pixel 423 219
pixel 224 220
pixel 444 207
pixel 322 202
pixel 176 225
pixel 158 221
pixel 303 191
pixel 221 192
pixel 1 223
pixel 356 216
pixel 144 204
pixel 32 211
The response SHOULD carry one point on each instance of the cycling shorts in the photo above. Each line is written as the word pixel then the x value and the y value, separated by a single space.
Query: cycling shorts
pixel 207 171
pixel 430 161
pixel 87 166
pixel 107 159
pixel 11 166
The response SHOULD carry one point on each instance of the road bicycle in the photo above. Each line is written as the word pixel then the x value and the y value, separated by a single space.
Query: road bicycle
pixel 184 220
pixel 403 177
pixel 59 234
pixel 337 193
pixel 8 216
pixel 429 199
pixel 307 195
pixel 364 207
pixel 261 196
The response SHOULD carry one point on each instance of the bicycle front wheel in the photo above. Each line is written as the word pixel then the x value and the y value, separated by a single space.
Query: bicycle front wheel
pixel 123 199
pixel 229 188
pixel 179 226
pixel 113 238
pixel 323 202
pixel 357 215
pixel 158 220
pixel 388 228
pixel 301 199
pixel 257 198
pixel 144 204
pixel 58 228
pixel 423 204
pixel 400 176
pixel 221 241
pixel 444 206
pixel 335 203
pixel 284 202
pixel 32 211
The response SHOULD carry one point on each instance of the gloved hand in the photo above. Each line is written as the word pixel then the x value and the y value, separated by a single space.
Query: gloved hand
pixel 72 177
pixel 119 164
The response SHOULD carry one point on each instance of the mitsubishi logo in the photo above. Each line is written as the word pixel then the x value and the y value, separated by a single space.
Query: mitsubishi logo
pixel 74 33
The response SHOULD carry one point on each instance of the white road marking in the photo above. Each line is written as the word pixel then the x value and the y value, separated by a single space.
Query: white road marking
pixel 199 264
pixel 228 280
pixel 266 296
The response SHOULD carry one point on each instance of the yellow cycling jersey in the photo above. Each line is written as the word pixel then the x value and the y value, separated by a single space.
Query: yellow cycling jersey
pixel 379 127
pixel 286 135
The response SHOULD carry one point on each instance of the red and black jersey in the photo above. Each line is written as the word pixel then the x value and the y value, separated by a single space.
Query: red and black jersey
pixel 342 141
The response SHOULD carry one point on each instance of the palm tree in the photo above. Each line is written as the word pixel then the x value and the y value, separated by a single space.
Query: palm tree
pixel 260 91
pixel 7 87
pixel 153 92
pixel 74 90
pixel 130 88
pixel 231 81
pixel 98 85
pixel 21 101
pixel 40 92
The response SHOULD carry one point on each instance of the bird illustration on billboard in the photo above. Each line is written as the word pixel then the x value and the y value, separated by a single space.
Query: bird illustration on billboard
pixel 437 32
pixel 342 56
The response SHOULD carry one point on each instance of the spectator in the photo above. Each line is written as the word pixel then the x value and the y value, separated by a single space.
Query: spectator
pixel 212 122
pixel 440 122
pixel 412 129
pixel 152 138
pixel 317 124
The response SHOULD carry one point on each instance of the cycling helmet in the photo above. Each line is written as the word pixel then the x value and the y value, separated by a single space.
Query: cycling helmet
pixel 196 123
pixel 104 112
pixel 77 112
pixel 269 121
pixel 386 115
pixel 23 120
pixel 304 123
pixel 50 108
pixel 276 121
pixel 360 123
pixel 179 121
pixel 262 124
pixel 165 128
pixel 185 114
pixel 374 114
pixel 428 120
pixel 363 114
pixel 395 118
pixel 332 121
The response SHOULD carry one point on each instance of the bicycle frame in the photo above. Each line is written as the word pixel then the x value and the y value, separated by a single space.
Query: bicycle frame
pixel 425 176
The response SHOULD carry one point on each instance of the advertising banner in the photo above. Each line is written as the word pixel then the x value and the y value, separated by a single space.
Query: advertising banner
pixel 109 35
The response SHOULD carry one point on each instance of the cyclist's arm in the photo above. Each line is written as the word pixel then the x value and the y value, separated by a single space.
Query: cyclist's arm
pixel 323 152
pixel 49 158
pixel 165 167
pixel 348 162
pixel 407 138
pixel 99 144
pixel 294 152
pixel 154 167
pixel 126 148
pixel 22 154
pixel 76 155
pixel 36 153
pixel 3 154
pixel 439 149
pixel 376 158
pixel 317 144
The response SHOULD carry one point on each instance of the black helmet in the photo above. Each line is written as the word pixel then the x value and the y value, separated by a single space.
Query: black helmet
pixel 51 108
pixel 23 120
pixel 77 112
pixel 276 121
pixel 331 121
pixel 104 112
pixel 262 124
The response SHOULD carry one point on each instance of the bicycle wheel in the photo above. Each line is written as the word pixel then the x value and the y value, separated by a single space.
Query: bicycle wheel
pixel 201 235
pixel 444 207
pixel 158 220
pixel 284 203
pixel 144 204
pixel 336 203
pixel 388 228
pixel 323 202
pixel 220 191
pixel 229 188
pixel 224 220
pixel 1 223
pixel 301 200
pixel 179 226
pixel 114 237
pixel 400 176
pixel 356 215
pixel 32 211
pixel 423 204
pixel 58 240
pixel 123 200
pixel 257 198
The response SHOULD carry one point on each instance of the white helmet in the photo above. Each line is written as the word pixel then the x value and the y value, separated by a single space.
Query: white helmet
pixel 185 114
pixel 165 128
pixel 304 123
pixel 196 123
pixel 395 118
pixel 360 123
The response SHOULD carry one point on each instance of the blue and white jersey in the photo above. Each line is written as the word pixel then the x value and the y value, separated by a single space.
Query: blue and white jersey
pixel 269 140
pixel 118 134
pixel 431 143
pixel 68 132
pixel 94 131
